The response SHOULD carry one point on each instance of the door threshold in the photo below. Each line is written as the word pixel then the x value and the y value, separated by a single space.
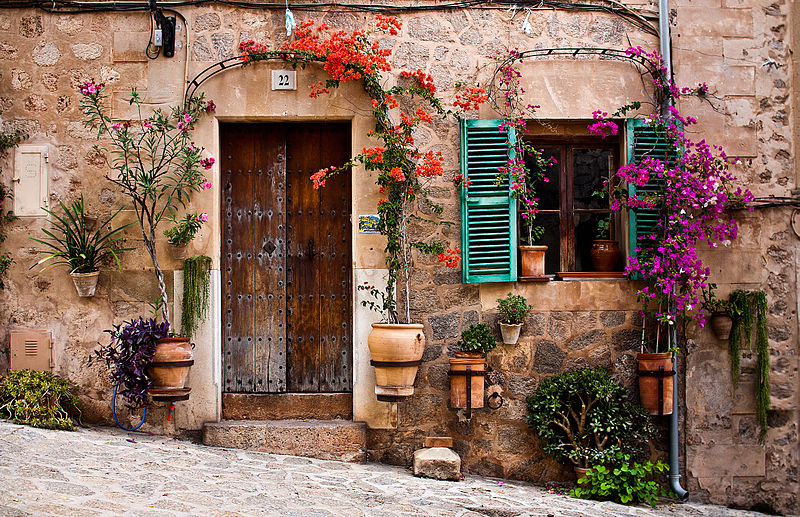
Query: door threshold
pixel 286 406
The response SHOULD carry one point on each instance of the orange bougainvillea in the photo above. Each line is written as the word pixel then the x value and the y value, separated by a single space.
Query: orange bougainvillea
pixel 470 97
pixel 431 165
pixel 423 79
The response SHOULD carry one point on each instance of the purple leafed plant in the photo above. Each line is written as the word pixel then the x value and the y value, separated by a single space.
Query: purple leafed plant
pixel 131 350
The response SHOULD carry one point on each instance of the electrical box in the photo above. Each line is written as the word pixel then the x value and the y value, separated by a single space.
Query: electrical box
pixel 32 349
pixel 30 181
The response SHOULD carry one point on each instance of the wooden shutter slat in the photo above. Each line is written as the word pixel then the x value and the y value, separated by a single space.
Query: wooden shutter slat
pixel 489 233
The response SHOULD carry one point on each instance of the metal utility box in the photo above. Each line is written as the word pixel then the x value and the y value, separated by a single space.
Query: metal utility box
pixel 32 349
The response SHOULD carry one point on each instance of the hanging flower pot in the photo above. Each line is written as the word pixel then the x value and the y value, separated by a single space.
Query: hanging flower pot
pixel 171 362
pixel 605 255
pixel 396 351
pixel 178 251
pixel 463 361
pixel 85 283
pixel 532 260
pixel 510 332
pixel 656 382
pixel 721 323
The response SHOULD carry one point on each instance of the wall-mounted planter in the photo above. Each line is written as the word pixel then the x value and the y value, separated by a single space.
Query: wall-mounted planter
pixel 460 365
pixel 721 323
pixel 656 382
pixel 178 251
pixel 510 332
pixel 532 260
pixel 396 351
pixel 85 283
pixel 171 362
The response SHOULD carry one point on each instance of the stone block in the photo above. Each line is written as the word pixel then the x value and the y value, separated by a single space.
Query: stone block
pixel 702 21
pixel 128 46
pixel 437 463
pixel 439 441
pixel 720 461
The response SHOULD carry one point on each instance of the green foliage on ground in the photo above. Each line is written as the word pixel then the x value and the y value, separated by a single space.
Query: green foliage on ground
pixel 39 399
pixel 623 480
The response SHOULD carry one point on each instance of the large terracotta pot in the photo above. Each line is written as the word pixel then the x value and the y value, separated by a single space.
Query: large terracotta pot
pixel 85 283
pixel 605 255
pixel 396 351
pixel 532 260
pixel 721 323
pixel 649 383
pixel 458 383
pixel 171 363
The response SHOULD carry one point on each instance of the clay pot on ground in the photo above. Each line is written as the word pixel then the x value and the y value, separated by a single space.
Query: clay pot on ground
pixel 171 362
pixel 476 362
pixel 510 332
pixel 721 324
pixel 532 260
pixel 85 283
pixel 652 386
pixel 580 473
pixel 605 255
pixel 396 351
pixel 178 251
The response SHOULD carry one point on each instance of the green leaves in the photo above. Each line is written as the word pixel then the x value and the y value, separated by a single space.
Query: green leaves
pixel 39 399
pixel 477 338
pixel 623 480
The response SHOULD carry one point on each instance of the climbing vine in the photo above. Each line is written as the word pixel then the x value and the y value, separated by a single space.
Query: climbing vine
pixel 196 284
pixel 405 173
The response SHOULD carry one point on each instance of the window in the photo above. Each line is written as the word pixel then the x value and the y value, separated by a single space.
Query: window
pixel 575 199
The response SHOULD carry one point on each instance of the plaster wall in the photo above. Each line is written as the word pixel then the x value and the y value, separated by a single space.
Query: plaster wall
pixel 739 48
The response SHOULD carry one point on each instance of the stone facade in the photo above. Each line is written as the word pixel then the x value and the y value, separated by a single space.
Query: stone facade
pixel 740 48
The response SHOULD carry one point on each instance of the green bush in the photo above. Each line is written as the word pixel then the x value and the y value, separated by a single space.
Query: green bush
pixel 39 399
pixel 477 338
pixel 622 480
pixel 583 417
pixel 513 309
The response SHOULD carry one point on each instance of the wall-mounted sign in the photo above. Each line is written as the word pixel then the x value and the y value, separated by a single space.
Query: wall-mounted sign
pixel 368 223
pixel 284 80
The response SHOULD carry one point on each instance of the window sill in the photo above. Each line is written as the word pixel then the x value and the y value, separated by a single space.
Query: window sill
pixel 590 275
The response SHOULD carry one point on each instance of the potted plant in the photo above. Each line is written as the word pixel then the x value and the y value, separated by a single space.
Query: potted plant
pixel 582 417
pixel 513 311
pixel 182 232
pixel 720 313
pixel 605 251
pixel 404 175
pixel 475 342
pixel 531 256
pixel 71 244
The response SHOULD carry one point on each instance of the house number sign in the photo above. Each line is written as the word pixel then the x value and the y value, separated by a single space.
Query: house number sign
pixel 284 80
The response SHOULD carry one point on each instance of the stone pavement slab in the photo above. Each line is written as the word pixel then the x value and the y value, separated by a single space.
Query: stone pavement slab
pixel 106 471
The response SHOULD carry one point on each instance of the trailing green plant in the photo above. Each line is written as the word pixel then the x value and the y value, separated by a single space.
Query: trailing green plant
pixel 712 304
pixel 39 399
pixel 8 140
pixel 746 306
pixel 196 284
pixel 153 159
pixel 625 481
pixel 583 417
pixel 513 309
pixel 71 244
pixel 477 338
pixel 185 229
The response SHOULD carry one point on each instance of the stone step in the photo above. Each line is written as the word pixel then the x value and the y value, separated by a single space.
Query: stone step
pixel 341 440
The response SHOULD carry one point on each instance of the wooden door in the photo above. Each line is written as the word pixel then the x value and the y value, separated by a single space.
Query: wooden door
pixel 286 266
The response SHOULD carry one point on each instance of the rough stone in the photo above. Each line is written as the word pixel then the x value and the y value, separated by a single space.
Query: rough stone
pixel 20 80
pixel 425 300
pixel 8 51
pixel 35 103
pixel 548 358
pixel 30 26
pixel 223 44
pixel 445 326
pixel 201 50
pixel 46 54
pixel 87 52
pixel 535 324
pixel 437 463
pixel 208 21
pixel 588 339
pixel 628 339
pixel 69 24
pixel 612 318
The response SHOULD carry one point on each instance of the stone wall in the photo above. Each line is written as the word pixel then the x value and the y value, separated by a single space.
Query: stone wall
pixel 739 48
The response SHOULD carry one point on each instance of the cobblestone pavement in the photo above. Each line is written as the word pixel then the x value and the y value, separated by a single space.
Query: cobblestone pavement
pixel 104 471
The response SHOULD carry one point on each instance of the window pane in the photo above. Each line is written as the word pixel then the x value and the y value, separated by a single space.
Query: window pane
pixel 551 239
pixel 592 168
pixel 585 233
pixel 547 192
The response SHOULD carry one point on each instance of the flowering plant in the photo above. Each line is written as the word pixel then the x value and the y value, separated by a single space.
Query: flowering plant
pixel 154 161
pixel 513 309
pixel 185 229
pixel 694 199
pixel 405 173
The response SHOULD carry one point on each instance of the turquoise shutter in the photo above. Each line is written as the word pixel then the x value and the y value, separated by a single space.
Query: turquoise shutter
pixel 643 140
pixel 488 212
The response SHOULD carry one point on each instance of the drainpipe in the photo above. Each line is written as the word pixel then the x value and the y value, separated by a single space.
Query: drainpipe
pixel 674 468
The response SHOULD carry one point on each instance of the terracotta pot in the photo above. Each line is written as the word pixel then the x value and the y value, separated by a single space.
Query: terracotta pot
pixel 458 383
pixel 85 283
pixel 580 472
pixel 178 251
pixel 171 363
pixel 396 351
pixel 532 260
pixel 721 324
pixel 510 332
pixel 649 384
pixel 605 255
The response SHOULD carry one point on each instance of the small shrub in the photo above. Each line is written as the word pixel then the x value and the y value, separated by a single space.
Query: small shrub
pixel 622 480
pixel 513 309
pixel 477 338
pixel 39 399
